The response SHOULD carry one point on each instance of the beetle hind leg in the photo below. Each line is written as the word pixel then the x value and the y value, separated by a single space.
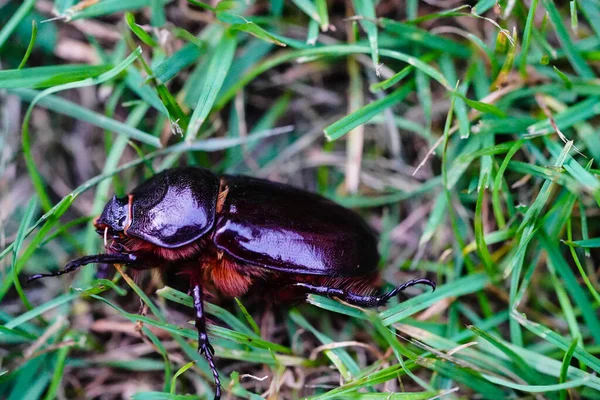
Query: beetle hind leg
pixel 204 346
pixel 387 296
pixel 357 299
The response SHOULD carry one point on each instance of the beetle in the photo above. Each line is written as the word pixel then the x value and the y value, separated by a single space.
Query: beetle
pixel 231 232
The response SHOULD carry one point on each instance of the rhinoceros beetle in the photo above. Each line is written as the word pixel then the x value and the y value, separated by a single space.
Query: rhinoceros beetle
pixel 228 233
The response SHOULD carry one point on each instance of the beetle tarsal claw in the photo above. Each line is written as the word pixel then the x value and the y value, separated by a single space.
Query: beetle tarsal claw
pixel 205 348
pixel 421 281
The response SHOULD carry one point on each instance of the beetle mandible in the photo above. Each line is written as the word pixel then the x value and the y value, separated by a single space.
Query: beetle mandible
pixel 228 233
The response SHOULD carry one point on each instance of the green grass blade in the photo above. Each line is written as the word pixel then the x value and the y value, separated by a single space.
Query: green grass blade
pixel 582 272
pixel 30 46
pixel 574 56
pixel 74 110
pixel 25 223
pixel 50 219
pixel 224 315
pixel 326 51
pixel 56 302
pixel 535 210
pixel 366 9
pixel 107 7
pixel 59 368
pixel 309 8
pixel 558 340
pixel 321 6
pixel 423 38
pixel 524 369
pixel 138 31
pixel 181 59
pixel 339 357
pixel 588 243
pixel 248 317
pixel 565 365
pixel 218 67
pixel 481 106
pixel 180 372
pixel 591 11
pixel 16 18
pixel 498 184
pixel 459 287
pixel 41 77
pixel 580 297
pixel 256 31
pixel 536 388
pixel 527 37
pixel 482 249
pixel 365 113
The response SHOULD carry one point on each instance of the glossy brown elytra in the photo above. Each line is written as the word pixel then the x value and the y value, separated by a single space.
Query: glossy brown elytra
pixel 231 233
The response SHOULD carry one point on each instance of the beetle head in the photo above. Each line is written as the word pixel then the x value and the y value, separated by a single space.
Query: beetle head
pixel 114 216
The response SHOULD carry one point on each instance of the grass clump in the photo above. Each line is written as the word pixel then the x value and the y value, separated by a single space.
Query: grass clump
pixel 467 137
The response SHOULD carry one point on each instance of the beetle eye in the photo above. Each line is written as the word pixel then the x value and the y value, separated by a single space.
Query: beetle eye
pixel 121 222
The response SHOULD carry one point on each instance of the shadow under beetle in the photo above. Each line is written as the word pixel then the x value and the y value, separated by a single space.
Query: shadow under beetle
pixel 228 233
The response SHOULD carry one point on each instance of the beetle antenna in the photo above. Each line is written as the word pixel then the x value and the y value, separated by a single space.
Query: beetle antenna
pixel 385 298
pixel 93 259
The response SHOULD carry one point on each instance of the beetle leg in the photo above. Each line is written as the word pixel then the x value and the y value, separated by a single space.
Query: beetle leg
pixel 360 300
pixel 96 258
pixel 387 296
pixel 349 297
pixel 204 346
pixel 103 271
pixel 117 247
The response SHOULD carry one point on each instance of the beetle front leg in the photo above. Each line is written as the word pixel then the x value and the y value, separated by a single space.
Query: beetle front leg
pixel 127 259
pixel 204 346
